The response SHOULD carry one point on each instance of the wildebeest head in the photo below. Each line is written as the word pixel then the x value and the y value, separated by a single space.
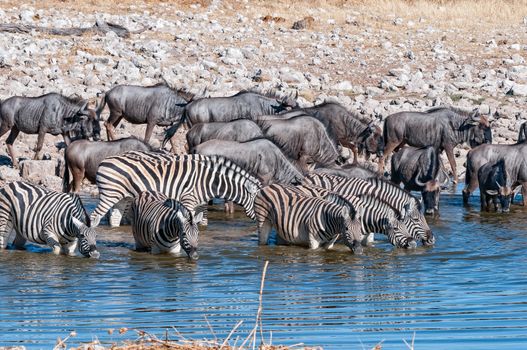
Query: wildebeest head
pixel 189 233
pixel 87 237
pixel 84 124
pixel 373 140
pixel 285 103
pixel 502 188
pixel 430 192
pixel 479 129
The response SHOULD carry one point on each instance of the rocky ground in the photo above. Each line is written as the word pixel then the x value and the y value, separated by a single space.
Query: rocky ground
pixel 375 60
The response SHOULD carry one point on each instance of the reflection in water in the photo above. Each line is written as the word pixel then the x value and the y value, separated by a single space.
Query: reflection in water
pixel 468 291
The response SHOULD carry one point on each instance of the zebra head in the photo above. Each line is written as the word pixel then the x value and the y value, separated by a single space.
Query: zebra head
pixel 189 233
pixel 353 227
pixel 418 226
pixel 87 239
pixel 398 233
pixel 252 188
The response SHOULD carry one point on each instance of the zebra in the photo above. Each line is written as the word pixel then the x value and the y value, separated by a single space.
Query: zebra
pixel 42 216
pixel 414 218
pixel 356 186
pixel 161 224
pixel 303 220
pixel 191 179
pixel 377 216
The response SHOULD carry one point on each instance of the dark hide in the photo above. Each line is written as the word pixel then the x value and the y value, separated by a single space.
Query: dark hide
pixel 441 128
pixel 83 157
pixel 348 170
pixel 151 105
pixel 47 114
pixel 515 161
pixel 303 137
pixel 522 134
pixel 494 186
pixel 260 157
pixel 243 105
pixel 351 131
pixel 238 130
pixel 418 170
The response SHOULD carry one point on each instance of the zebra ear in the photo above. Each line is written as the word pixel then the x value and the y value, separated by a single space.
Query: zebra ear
pixel 79 224
pixel 198 217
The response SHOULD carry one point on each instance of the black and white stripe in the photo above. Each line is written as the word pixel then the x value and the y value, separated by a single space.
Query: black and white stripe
pixel 191 179
pixel 376 217
pixel 304 220
pixel 42 216
pixel 161 224
pixel 397 197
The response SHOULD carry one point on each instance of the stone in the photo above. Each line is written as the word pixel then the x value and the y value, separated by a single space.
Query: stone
pixel 518 90
pixel 9 174
pixel 343 86
pixel 37 169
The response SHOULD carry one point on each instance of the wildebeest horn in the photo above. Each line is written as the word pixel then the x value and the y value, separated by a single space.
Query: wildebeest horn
pixel 417 181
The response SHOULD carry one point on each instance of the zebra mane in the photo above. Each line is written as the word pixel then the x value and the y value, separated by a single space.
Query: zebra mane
pixel 76 199
pixel 207 160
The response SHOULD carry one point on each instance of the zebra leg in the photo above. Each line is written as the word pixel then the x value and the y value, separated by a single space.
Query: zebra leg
pixel 5 225
pixel 69 249
pixel 52 241
pixel 264 229
pixel 19 242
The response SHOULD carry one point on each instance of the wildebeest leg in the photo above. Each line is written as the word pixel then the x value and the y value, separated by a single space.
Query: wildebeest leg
pixel 355 154
pixel 148 132
pixel 111 124
pixel 450 155
pixel 388 149
pixel 40 143
pixel 9 142
pixel 483 201
pixel 78 176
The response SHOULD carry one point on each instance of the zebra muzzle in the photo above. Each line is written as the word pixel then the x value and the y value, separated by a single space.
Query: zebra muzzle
pixel 94 254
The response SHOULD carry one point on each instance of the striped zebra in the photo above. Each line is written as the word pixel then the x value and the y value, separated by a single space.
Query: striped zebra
pixel 414 218
pixel 191 179
pixel 161 224
pixel 303 220
pixel 41 216
pixel 377 216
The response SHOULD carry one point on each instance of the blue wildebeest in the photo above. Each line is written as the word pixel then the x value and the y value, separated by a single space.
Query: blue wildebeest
pixel 47 114
pixel 243 105
pixel 151 105
pixel 352 131
pixel 41 216
pixel 303 138
pixel 83 157
pixel 348 170
pixel 260 157
pixel 237 130
pixel 522 134
pixel 514 156
pixel 494 185
pixel 443 128
pixel 419 169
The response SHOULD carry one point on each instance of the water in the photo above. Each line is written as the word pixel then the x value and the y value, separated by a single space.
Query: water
pixel 467 292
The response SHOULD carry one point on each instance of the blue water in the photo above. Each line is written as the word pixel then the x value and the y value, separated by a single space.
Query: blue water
pixel 467 292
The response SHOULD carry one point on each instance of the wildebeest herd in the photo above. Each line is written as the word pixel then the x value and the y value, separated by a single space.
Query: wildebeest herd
pixel 284 164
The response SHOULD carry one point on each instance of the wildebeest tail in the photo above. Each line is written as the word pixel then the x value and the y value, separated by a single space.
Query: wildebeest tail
pixel 170 132
pixel 66 177
pixel 100 106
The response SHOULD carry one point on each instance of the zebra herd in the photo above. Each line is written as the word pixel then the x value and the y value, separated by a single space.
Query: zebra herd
pixel 287 176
